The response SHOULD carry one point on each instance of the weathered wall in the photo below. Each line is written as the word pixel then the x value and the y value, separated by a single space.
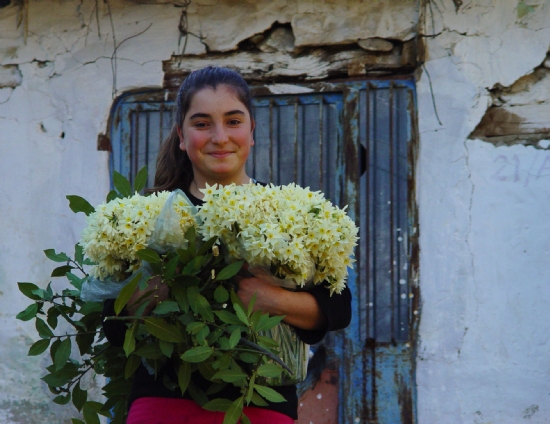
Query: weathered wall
pixel 484 246
pixel 484 242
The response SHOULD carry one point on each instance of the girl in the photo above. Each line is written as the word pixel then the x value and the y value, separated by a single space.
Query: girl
pixel 209 144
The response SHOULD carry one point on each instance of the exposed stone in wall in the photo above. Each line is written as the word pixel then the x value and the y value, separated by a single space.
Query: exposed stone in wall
pixel 10 76
pixel 375 45
pixel 314 23
pixel 519 113
pixel 273 57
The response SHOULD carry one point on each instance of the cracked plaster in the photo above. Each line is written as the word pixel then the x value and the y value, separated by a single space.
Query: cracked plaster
pixel 483 269
pixel 314 23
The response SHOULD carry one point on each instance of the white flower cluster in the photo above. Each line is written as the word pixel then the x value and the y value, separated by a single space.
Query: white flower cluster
pixel 117 230
pixel 283 228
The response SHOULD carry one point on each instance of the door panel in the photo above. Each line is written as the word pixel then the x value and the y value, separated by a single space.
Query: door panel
pixel 355 142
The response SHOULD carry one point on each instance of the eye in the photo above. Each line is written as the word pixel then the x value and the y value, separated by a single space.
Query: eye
pixel 200 124
pixel 234 121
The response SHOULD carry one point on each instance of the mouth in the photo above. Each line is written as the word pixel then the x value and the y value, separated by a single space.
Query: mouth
pixel 220 154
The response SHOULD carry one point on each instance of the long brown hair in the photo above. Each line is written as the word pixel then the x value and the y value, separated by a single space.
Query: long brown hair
pixel 174 169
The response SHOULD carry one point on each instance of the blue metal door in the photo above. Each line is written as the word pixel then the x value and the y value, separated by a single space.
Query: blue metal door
pixel 354 141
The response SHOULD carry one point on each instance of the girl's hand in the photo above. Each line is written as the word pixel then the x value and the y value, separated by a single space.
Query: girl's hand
pixel 300 308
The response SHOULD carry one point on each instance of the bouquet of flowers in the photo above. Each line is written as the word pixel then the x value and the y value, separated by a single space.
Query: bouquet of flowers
pixel 295 233
pixel 290 236
pixel 201 328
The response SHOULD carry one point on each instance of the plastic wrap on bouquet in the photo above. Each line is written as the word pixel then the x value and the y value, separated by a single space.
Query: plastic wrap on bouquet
pixel 168 234
pixel 95 290
pixel 292 351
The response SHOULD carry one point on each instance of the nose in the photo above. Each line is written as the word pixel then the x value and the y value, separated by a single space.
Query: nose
pixel 219 134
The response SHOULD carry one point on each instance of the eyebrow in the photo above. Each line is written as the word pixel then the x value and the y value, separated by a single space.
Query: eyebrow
pixel 206 115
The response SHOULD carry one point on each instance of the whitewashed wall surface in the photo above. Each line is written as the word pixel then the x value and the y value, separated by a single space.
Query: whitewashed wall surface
pixel 482 173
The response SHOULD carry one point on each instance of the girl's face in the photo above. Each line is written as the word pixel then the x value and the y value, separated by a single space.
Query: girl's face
pixel 217 136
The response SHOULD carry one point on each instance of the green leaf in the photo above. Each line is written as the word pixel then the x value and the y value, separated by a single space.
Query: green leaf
pixel 258 400
pixel 195 327
pixel 234 411
pixel 218 405
pixel 84 342
pixel 194 265
pixel 56 257
pixel 206 246
pixel 62 399
pixel 190 235
pixel 184 376
pixel 126 293
pixel 250 389
pixel 185 255
pixel 245 419
pixel 241 314
pixel 90 414
pixel 180 293
pixel 140 179
pixel 112 195
pixel 269 322
pixel 162 330
pixel 77 421
pixel 79 397
pixel 122 185
pixel 267 342
pixel 79 204
pixel 150 351
pixel 43 330
pixel 221 295
pixel 74 280
pixel 167 348
pixel 39 347
pixel 269 394
pixel 251 305
pixel 129 339
pixel 230 376
pixel 197 394
pixel 149 255
pixel 171 267
pixel 249 357
pixel 204 308
pixel 60 271
pixel 78 254
pixel 228 317
pixel 197 354
pixel 132 364
pixel 29 313
pixel 235 337
pixel 60 378
pixel 269 370
pixel 62 354
pixel 229 271
pixel 27 290
pixel 166 307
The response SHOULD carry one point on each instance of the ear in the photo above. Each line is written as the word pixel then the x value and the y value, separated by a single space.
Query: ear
pixel 182 142
pixel 253 125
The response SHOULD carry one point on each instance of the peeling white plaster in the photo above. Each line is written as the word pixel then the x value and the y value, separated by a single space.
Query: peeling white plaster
pixel 483 263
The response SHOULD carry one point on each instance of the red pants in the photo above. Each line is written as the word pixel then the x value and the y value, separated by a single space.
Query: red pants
pixel 156 410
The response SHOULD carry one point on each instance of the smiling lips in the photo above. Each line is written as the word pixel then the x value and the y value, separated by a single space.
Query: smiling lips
pixel 220 154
